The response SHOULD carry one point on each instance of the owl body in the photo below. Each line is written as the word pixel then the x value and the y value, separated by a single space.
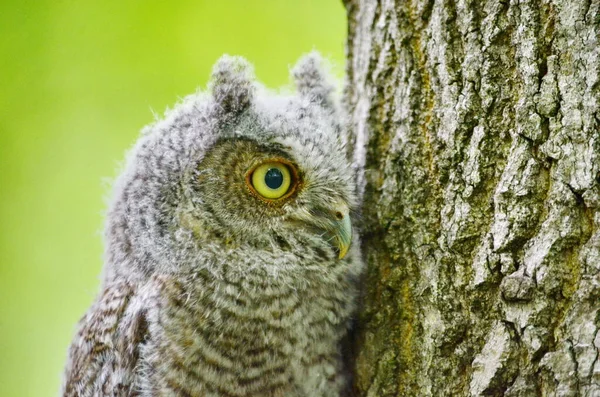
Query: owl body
pixel 221 280
pixel 253 337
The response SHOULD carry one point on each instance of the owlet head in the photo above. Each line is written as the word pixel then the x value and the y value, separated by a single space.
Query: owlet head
pixel 238 167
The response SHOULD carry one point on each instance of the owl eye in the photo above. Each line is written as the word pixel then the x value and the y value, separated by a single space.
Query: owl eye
pixel 271 180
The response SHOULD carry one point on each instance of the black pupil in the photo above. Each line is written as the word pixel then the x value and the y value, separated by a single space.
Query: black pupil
pixel 274 178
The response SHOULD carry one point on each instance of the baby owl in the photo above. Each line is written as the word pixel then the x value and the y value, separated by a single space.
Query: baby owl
pixel 231 262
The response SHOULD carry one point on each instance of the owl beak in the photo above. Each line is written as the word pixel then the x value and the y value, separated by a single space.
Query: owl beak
pixel 334 220
pixel 343 229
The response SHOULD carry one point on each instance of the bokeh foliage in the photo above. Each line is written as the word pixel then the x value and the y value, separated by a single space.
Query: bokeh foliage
pixel 78 81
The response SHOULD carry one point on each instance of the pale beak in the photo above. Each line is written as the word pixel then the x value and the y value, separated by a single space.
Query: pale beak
pixel 334 221
pixel 343 229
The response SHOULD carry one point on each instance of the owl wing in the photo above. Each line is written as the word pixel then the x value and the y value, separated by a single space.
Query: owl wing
pixel 104 353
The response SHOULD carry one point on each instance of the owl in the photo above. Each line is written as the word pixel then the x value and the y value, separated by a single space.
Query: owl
pixel 231 263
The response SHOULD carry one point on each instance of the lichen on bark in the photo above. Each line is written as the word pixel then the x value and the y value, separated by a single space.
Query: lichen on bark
pixel 477 127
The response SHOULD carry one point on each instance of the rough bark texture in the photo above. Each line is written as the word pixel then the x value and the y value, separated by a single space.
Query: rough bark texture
pixel 478 125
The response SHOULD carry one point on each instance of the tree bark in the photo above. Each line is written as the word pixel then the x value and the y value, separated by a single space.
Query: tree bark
pixel 477 124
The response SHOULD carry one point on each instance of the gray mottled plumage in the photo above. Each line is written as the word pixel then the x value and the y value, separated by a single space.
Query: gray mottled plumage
pixel 209 290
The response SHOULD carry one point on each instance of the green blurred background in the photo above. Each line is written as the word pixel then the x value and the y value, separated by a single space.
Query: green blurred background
pixel 78 79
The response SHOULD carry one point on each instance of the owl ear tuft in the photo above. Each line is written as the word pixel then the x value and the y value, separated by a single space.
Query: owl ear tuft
pixel 232 84
pixel 312 80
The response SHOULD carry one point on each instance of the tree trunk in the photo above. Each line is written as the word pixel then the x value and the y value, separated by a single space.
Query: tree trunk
pixel 478 127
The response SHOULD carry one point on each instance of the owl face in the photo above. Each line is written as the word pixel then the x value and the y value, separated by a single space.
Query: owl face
pixel 264 190
pixel 237 167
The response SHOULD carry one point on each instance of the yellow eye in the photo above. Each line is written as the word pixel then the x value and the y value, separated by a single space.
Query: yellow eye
pixel 271 180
